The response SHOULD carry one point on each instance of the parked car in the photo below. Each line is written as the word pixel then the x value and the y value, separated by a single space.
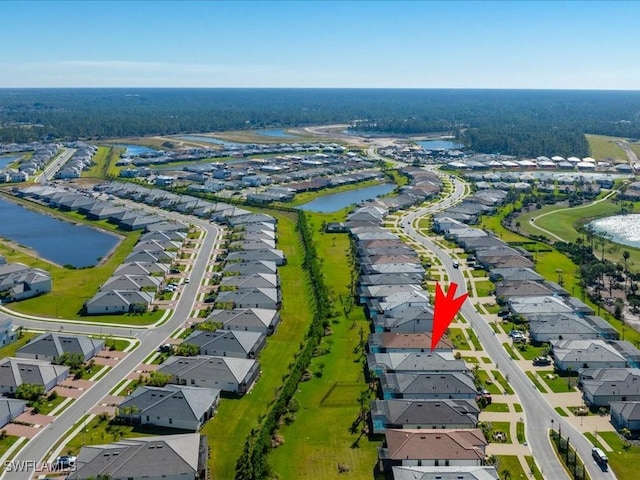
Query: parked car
pixel 541 361
pixel 64 462
pixel 456 264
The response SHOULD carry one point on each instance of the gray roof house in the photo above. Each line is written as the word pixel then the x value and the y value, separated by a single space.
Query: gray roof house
pixel 50 346
pixel 577 354
pixel 156 256
pixel 16 371
pixel 171 406
pixel 268 298
pixel 118 301
pixel 254 244
pixel 536 305
pixel 423 414
pixel 167 457
pixel 131 282
pixel 10 408
pixel 251 218
pixel 259 320
pixel 228 343
pixel 563 327
pixel 625 415
pixel 256 280
pixel 391 279
pixel 514 273
pixel 445 473
pixel 250 267
pixel 435 362
pixel 414 319
pixel 424 386
pixel 235 375
pixel 602 386
pixel 142 268
pixel 269 254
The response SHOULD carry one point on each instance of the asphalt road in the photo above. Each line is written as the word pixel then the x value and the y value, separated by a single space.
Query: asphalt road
pixel 538 413
pixel 52 168
pixel 150 340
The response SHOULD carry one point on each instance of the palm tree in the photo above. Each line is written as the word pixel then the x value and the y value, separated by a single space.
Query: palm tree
pixel 506 474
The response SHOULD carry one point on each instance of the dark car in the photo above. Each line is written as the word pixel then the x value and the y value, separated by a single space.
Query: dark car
pixel 64 462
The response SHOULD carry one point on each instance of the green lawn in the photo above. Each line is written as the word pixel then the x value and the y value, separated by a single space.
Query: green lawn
pixel 6 443
pixel 458 339
pixel 486 360
pixel 531 352
pixel 520 432
pixel 474 340
pixel 561 411
pixel 558 384
pixel 312 445
pixel 602 147
pixel 517 407
pixel 478 273
pixel 503 382
pixel 534 468
pixel 484 288
pixel 470 359
pixel 49 405
pixel 511 464
pixel 492 308
pixel 623 460
pixel 488 383
pixel 497 407
pixel 510 351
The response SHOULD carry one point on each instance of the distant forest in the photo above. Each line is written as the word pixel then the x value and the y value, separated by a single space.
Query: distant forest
pixel 515 122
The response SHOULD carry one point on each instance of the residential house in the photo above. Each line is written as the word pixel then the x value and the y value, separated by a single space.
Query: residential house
pixel 146 283
pixel 50 346
pixel 167 457
pixel 419 414
pixel 235 375
pixel 602 386
pixel 424 386
pixel 258 320
pixel 228 343
pixel 16 371
pixel 268 298
pixel 171 406
pixel 562 327
pixel 10 408
pixel 577 354
pixel 255 280
pixel 435 362
pixel 388 342
pixel 250 267
pixel 415 319
pixel 409 447
pixel 268 254
pixel 445 473
pixel 625 415
pixel 118 301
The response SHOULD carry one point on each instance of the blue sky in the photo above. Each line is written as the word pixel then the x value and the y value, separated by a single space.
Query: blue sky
pixel 376 44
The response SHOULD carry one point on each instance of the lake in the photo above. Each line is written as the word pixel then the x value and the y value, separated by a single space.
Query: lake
pixel 6 161
pixel 337 201
pixel 274 133
pixel 624 229
pixel 439 145
pixel 137 150
pixel 57 241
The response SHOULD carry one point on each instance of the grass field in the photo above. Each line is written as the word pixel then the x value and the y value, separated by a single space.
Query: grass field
pixel 503 427
pixel 558 384
pixel 474 340
pixel 561 411
pixel 488 383
pixel 511 464
pixel 235 418
pixel 458 339
pixel 534 468
pixel 502 381
pixel 534 379
pixel 497 407
pixel 322 433
pixel 484 288
pixel 603 147
pixel 10 350
pixel 6 443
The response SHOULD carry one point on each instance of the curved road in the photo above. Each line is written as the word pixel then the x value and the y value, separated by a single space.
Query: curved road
pixel 538 413
pixel 150 339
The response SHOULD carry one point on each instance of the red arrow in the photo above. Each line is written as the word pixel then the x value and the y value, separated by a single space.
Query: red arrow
pixel 444 310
